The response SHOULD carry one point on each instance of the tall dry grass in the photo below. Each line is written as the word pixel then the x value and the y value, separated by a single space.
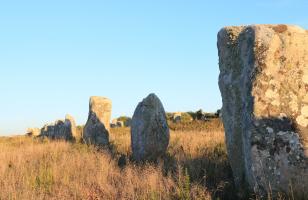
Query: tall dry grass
pixel 200 154
pixel 195 167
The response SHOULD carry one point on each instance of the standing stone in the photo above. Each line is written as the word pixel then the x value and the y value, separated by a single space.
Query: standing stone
pixel 72 128
pixel 61 129
pixel 200 115
pixel 48 130
pixel 177 117
pixel 96 130
pixel 128 122
pixel 264 86
pixel 33 132
pixel 149 130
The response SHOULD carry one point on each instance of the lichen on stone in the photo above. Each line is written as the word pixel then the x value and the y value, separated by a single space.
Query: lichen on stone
pixel 265 112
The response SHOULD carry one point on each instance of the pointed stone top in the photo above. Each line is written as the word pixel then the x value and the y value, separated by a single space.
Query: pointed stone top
pixel 152 95
pixel 149 130
pixel 151 99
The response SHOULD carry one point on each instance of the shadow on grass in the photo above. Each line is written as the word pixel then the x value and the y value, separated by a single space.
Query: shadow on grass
pixel 211 170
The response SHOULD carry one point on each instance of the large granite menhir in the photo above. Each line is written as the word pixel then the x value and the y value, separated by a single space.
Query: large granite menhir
pixel 264 86
pixel 149 130
pixel 96 130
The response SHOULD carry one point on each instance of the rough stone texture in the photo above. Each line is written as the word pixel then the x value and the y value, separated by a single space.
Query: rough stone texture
pixel 149 130
pixel 177 117
pixel 47 130
pixel 33 132
pixel 128 122
pixel 264 83
pixel 96 130
pixel 61 129
pixel 71 124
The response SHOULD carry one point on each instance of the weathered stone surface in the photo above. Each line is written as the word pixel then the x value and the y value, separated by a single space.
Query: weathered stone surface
pixel 177 117
pixel 33 132
pixel 71 124
pixel 149 130
pixel 263 82
pixel 96 130
pixel 47 130
pixel 128 122
pixel 61 129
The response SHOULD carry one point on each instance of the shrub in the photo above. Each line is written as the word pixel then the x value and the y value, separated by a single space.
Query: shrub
pixel 126 120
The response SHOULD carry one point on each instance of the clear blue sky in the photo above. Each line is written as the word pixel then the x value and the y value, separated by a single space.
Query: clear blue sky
pixel 55 54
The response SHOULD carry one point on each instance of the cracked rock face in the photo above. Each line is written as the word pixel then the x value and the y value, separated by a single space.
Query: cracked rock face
pixel 149 131
pixel 96 130
pixel 264 86
pixel 61 129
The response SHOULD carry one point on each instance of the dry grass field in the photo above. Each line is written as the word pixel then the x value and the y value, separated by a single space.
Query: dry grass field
pixel 195 167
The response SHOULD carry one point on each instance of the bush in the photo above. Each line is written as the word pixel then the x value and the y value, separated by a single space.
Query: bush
pixel 126 120
pixel 186 117
pixel 169 116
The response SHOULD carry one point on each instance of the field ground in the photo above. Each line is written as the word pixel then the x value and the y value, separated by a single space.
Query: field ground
pixel 195 167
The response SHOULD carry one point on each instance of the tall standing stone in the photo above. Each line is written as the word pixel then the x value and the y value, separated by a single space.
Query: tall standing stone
pixel 149 130
pixel 264 86
pixel 72 128
pixel 96 130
